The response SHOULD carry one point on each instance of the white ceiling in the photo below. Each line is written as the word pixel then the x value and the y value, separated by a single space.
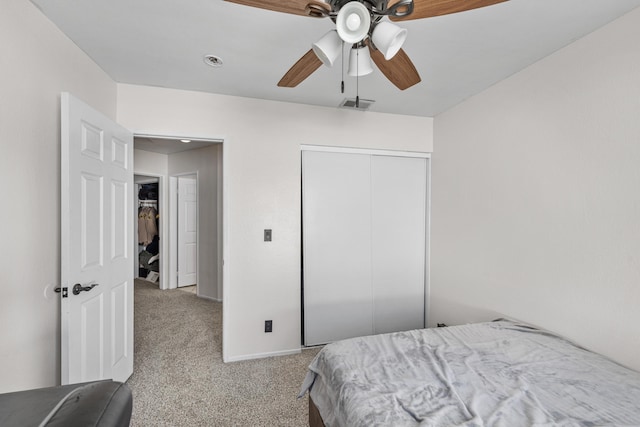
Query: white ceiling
pixel 168 145
pixel 162 43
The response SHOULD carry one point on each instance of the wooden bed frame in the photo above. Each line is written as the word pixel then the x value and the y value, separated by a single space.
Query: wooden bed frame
pixel 315 420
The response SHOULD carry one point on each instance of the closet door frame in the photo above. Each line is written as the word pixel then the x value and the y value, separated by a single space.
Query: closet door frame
pixel 174 209
pixel 162 226
pixel 392 153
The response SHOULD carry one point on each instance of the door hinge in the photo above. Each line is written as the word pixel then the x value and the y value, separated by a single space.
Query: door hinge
pixel 64 291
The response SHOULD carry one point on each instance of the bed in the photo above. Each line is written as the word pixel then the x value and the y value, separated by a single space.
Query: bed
pixel 500 373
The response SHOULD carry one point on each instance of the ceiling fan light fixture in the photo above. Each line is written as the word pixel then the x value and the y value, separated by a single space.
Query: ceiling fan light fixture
pixel 328 48
pixel 360 62
pixel 353 22
pixel 388 38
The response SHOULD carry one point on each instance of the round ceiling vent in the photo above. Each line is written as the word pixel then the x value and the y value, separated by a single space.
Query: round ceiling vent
pixel 213 60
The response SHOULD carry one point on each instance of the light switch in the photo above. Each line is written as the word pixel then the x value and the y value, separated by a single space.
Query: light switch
pixel 267 235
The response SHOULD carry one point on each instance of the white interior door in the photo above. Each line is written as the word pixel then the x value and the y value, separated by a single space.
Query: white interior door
pixel 187 230
pixel 398 250
pixel 337 246
pixel 96 231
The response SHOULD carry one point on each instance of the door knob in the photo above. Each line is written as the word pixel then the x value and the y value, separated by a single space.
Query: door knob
pixel 77 288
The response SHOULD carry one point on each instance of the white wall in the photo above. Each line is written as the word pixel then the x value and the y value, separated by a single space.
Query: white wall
pixel 204 161
pixel 149 163
pixel 37 63
pixel 262 181
pixel 536 197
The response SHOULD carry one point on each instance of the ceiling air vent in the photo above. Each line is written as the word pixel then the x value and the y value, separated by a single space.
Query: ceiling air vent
pixel 350 103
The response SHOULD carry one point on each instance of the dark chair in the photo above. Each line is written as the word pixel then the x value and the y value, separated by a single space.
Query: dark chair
pixel 99 404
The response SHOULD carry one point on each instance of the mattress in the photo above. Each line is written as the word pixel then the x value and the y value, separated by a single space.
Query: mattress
pixel 499 373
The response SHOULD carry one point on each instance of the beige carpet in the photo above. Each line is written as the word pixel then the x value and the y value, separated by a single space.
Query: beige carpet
pixel 191 289
pixel 179 378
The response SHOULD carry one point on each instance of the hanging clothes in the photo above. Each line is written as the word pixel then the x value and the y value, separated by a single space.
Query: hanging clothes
pixel 147 226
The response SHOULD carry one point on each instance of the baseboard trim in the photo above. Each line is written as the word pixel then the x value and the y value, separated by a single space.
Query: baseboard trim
pixel 263 355
pixel 209 298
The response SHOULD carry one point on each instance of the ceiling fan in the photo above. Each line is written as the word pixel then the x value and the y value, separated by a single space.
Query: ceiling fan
pixel 361 23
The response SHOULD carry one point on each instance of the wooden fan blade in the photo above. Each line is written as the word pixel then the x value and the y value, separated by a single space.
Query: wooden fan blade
pixel 399 69
pixel 296 7
pixel 429 8
pixel 300 70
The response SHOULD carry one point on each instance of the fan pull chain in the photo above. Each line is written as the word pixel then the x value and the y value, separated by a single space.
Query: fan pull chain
pixel 342 69
pixel 357 79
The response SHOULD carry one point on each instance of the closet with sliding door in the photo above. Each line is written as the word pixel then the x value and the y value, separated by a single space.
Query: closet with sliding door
pixel 364 238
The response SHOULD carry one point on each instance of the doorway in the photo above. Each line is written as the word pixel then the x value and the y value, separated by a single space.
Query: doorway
pixel 147 230
pixel 105 232
pixel 198 164
pixel 184 229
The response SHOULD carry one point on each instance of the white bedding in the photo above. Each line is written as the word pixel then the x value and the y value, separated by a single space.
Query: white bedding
pixel 487 374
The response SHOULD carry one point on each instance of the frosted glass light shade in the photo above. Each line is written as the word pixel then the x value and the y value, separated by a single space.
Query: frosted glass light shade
pixel 353 22
pixel 360 62
pixel 328 48
pixel 388 38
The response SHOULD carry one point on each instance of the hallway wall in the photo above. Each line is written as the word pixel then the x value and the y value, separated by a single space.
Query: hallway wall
pixel 205 162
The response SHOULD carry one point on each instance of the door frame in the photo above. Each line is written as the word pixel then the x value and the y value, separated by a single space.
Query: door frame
pixel 162 226
pixel 224 256
pixel 173 229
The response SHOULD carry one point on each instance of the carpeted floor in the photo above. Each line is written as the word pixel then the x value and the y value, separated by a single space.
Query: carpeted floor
pixel 191 289
pixel 179 378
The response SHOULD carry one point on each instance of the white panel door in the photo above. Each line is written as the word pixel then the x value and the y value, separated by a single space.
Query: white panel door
pixel 398 250
pixel 187 230
pixel 96 231
pixel 337 242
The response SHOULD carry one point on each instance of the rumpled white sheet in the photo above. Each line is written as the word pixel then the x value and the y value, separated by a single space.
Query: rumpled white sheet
pixel 487 374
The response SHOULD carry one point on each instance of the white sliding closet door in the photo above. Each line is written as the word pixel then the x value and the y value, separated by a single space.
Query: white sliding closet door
pixel 337 246
pixel 398 250
pixel 364 244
